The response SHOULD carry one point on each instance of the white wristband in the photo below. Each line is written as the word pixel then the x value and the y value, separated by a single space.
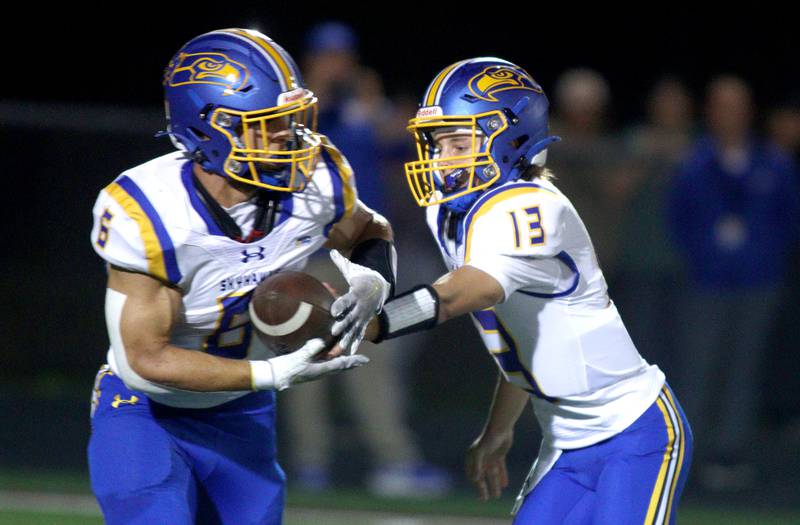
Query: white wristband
pixel 261 375
pixel 411 309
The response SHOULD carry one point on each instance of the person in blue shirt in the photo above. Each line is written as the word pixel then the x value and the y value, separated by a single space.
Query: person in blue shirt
pixel 734 215
pixel 352 111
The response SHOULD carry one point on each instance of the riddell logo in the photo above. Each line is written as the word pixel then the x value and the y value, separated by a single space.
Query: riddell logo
pixel 430 111
pixel 291 96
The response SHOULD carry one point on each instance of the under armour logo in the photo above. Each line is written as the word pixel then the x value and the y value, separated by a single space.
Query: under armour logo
pixel 119 401
pixel 258 255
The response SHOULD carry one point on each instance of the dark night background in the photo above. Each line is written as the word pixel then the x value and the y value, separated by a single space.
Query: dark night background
pixel 62 142
pixel 115 59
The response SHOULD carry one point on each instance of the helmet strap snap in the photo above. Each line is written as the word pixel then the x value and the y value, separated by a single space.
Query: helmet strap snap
pixel 235 166
pixel 198 156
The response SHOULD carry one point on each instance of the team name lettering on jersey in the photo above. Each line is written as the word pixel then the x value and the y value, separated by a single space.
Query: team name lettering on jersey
pixel 240 281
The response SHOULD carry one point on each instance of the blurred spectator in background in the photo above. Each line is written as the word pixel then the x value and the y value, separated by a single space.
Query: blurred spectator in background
pixel 591 168
pixel 350 95
pixel 651 273
pixel 734 215
pixel 352 109
pixel 783 127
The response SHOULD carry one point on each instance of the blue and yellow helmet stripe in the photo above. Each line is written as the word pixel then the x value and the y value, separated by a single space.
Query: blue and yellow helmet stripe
pixel 431 97
pixel 284 66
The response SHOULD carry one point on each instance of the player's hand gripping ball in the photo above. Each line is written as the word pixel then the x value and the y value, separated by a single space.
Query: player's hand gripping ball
pixel 289 308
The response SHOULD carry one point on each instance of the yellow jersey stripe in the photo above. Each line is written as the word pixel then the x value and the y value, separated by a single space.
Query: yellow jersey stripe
pixel 652 509
pixel 152 246
pixel 346 174
pixel 680 453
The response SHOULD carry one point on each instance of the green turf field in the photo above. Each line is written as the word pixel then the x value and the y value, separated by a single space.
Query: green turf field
pixel 28 498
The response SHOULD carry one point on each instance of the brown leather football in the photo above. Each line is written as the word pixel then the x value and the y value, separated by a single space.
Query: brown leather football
pixel 289 308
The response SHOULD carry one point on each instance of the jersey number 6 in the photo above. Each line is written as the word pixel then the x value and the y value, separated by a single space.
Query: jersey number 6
pixel 232 335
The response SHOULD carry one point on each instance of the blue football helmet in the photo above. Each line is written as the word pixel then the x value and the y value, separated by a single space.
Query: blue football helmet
pixel 232 94
pixel 501 108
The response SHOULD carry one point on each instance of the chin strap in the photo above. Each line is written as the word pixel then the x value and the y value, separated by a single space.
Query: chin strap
pixel 451 223
pixel 268 207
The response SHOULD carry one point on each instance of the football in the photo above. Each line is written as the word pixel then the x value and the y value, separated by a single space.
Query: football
pixel 289 308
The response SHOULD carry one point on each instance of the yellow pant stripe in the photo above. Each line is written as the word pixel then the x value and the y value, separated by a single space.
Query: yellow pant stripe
pixel 652 509
pixel 674 484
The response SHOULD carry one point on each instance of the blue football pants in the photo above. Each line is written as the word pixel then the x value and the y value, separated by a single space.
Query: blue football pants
pixel 635 477
pixel 152 464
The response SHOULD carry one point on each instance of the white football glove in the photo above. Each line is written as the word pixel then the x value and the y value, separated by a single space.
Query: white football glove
pixel 354 310
pixel 281 372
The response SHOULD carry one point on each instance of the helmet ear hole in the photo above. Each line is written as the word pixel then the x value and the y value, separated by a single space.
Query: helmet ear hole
pixel 519 141
pixel 198 135
pixel 205 111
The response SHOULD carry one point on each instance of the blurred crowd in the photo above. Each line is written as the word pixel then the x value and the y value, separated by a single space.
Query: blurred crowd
pixel 694 212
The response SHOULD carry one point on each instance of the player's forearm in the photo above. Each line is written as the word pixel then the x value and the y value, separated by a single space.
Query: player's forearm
pixel 507 406
pixel 423 307
pixel 176 367
pixel 363 225
pixel 466 290
pixel 377 228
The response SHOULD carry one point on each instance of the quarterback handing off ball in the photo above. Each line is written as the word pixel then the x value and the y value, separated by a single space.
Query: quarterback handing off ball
pixel 289 308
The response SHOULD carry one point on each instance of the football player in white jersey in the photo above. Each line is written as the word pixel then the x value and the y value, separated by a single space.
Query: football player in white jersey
pixel 616 446
pixel 183 413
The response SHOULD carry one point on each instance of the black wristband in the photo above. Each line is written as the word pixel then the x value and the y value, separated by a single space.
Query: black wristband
pixel 378 255
pixel 409 312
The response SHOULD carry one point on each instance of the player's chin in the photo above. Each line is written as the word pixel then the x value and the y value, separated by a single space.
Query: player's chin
pixel 275 169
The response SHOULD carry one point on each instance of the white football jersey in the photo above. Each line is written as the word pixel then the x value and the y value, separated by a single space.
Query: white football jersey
pixel 151 220
pixel 557 334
